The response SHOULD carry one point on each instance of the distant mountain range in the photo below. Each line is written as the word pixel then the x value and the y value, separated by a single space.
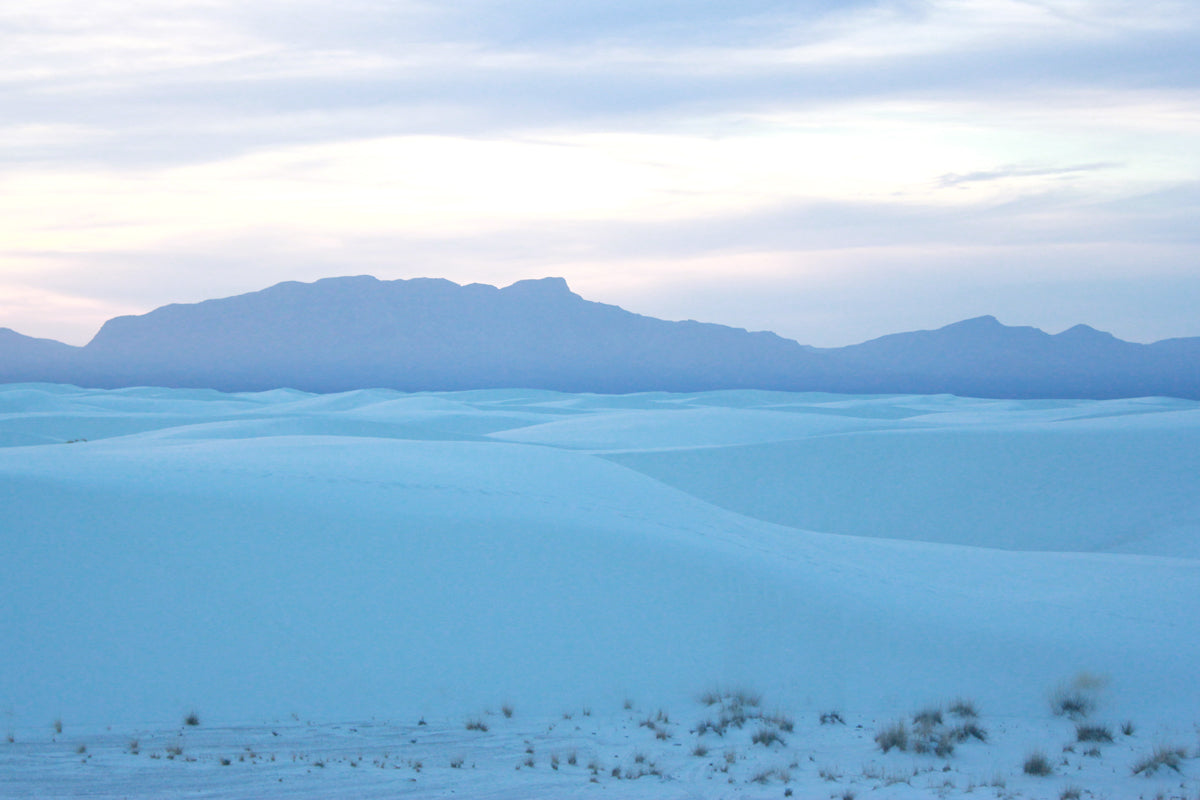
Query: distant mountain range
pixel 428 334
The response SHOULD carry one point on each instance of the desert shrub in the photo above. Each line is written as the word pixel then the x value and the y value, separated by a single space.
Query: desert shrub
pixel 894 735
pixel 1163 756
pixel 1093 733
pixel 1127 727
pixel 766 737
pixel 962 707
pixel 968 730
pixel 1077 698
pixel 1071 793
pixel 940 743
pixel 1072 704
pixel 1038 764
pixel 830 717
pixel 506 710
pixel 781 721
pixel 477 724
pixel 700 750
pixel 192 719
pixel 928 717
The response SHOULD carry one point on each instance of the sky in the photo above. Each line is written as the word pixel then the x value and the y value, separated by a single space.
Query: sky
pixel 831 171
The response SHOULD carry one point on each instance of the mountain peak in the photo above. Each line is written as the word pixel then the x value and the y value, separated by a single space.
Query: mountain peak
pixel 540 287
pixel 985 323
pixel 1085 333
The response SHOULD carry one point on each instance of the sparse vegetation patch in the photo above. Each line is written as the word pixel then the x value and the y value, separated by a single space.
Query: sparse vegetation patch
pixel 1037 764
pixel 1163 756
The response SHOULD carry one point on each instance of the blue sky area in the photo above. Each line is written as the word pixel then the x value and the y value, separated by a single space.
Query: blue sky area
pixel 833 171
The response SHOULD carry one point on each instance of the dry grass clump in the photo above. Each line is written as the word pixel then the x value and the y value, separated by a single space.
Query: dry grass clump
pixel 1077 698
pixel 964 708
pixel 894 735
pixel 1085 732
pixel 1163 756
pixel 1038 764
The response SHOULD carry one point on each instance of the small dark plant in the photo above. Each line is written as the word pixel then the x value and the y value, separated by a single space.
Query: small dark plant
pixel 1093 733
pixel 830 717
pixel 1038 764
pixel 1163 756
pixel 928 717
pixel 969 730
pixel 192 719
pixel 963 708
pixel 894 735
pixel 766 737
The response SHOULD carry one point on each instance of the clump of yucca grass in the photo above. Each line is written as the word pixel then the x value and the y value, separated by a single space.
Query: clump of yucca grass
pixel 968 730
pixel 928 717
pixel 938 742
pixel 781 721
pixel 831 717
pixel 894 735
pixel 477 724
pixel 192 719
pixel 1163 756
pixel 1078 698
pixel 1037 764
pixel 766 737
pixel 1087 732
pixel 964 708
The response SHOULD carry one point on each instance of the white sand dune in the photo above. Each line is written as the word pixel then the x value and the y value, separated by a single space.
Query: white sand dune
pixel 380 555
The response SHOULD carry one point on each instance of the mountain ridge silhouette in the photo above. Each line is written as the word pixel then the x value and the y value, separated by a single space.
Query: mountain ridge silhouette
pixel 430 334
